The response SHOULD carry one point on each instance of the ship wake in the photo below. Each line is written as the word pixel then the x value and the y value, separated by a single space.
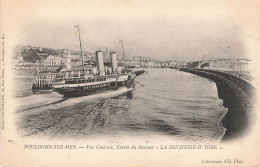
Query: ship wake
pixel 54 100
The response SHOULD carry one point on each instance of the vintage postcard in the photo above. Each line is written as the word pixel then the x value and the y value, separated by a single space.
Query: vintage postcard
pixel 130 83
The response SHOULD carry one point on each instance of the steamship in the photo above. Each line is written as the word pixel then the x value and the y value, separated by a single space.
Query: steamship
pixel 71 83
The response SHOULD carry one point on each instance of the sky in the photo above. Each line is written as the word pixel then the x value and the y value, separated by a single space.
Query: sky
pixel 173 30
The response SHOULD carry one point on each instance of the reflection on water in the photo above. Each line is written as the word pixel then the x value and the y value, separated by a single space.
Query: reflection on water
pixel 164 102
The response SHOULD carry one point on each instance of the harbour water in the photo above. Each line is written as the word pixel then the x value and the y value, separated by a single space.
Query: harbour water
pixel 164 102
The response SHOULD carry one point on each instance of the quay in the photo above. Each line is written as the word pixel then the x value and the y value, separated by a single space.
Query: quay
pixel 138 71
pixel 238 95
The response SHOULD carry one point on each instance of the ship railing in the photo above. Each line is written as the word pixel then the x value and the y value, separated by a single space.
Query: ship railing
pixel 75 77
pixel 43 81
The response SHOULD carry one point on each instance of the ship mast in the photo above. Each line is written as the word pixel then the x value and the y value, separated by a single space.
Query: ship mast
pixel 80 46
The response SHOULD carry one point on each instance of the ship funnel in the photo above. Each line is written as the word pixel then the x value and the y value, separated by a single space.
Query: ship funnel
pixel 113 62
pixel 100 62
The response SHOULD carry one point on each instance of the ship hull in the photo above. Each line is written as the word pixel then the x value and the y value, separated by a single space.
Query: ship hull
pixel 93 89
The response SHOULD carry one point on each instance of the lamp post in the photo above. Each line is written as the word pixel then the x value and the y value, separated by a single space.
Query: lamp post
pixel 228 52
pixel 240 68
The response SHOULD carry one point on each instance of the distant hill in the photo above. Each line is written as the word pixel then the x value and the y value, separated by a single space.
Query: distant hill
pixel 32 54
pixel 29 56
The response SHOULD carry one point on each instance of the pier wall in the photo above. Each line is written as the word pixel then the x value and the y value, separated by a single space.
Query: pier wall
pixel 238 95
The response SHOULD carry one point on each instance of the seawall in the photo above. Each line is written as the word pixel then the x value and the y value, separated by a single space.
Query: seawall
pixel 237 95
